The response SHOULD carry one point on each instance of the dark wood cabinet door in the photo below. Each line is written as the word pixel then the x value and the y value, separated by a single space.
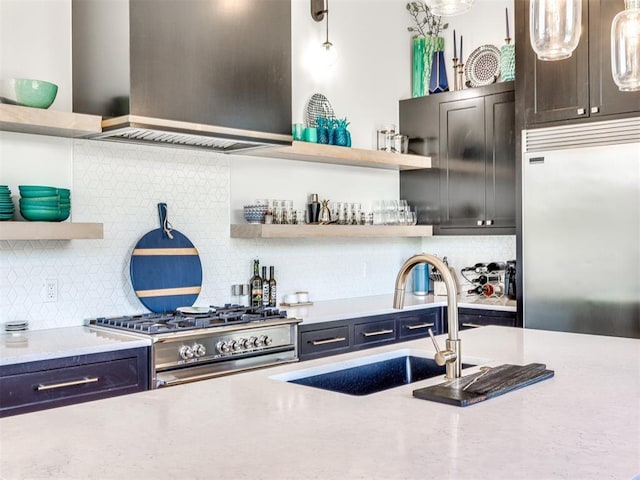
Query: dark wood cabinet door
pixel 500 181
pixel 606 97
pixel 558 90
pixel 462 163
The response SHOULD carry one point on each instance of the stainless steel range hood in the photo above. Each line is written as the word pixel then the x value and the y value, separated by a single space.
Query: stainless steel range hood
pixel 211 74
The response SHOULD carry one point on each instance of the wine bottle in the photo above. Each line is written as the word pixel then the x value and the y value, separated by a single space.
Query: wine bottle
pixel 265 288
pixel 256 285
pixel 272 288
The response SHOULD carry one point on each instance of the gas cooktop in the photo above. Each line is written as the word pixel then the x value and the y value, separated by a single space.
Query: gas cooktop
pixel 157 323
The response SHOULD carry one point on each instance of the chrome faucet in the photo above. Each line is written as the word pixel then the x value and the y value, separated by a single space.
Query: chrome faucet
pixel 451 357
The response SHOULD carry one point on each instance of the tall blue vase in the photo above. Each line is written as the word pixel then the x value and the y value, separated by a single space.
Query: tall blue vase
pixel 438 81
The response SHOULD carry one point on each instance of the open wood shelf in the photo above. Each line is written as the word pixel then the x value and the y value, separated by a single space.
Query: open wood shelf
pixel 327 231
pixel 39 121
pixel 320 153
pixel 14 230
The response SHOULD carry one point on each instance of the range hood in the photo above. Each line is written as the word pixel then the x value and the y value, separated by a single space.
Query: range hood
pixel 209 74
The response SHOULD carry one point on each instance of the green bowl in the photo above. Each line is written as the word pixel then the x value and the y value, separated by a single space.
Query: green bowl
pixel 29 93
pixel 36 205
pixel 64 193
pixel 31 191
pixel 41 215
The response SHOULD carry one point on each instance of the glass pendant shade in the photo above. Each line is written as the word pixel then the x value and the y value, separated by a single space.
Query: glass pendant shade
pixel 555 27
pixel 448 8
pixel 625 47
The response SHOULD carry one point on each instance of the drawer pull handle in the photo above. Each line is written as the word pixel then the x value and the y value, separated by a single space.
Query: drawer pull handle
pixel 422 325
pixel 472 325
pixel 328 340
pixel 53 386
pixel 375 334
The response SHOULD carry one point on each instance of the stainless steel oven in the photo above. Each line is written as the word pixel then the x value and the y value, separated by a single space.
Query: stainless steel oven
pixel 220 341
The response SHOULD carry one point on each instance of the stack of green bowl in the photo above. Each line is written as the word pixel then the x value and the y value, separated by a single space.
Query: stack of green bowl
pixel 44 204
pixel 6 204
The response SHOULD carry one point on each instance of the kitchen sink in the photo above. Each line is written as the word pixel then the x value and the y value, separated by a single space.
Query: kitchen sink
pixel 367 375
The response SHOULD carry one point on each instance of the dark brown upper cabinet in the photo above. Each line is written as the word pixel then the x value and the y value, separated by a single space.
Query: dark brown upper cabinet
pixel 470 136
pixel 580 88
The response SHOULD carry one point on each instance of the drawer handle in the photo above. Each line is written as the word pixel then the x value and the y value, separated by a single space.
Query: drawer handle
pixel 375 334
pixel 53 386
pixel 422 325
pixel 472 325
pixel 328 340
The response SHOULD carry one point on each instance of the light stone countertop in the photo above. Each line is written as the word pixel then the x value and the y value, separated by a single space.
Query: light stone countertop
pixel 46 344
pixel 345 308
pixel 584 423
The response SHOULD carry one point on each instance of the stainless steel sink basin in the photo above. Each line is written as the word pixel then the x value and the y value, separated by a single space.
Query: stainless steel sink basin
pixel 371 374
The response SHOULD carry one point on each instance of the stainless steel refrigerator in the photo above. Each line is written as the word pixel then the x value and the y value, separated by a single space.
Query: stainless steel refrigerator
pixel 581 228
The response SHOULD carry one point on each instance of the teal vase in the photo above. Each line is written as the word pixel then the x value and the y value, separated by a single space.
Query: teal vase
pixel 418 88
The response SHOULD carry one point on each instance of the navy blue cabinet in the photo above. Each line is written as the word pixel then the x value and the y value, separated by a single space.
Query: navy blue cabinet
pixel 317 340
pixel 27 387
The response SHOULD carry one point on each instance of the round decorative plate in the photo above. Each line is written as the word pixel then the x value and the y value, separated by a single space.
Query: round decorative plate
pixel 318 106
pixel 483 66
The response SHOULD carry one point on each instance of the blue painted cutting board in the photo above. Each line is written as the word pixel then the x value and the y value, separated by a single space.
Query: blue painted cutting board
pixel 482 386
pixel 166 272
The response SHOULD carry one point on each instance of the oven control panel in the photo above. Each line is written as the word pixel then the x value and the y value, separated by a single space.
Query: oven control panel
pixel 212 347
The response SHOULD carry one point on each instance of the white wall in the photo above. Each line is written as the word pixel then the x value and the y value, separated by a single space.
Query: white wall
pixel 119 185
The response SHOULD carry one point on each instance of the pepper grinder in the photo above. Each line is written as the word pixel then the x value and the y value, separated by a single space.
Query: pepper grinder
pixel 313 209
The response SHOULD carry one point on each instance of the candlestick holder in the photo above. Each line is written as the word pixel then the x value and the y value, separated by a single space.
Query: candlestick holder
pixel 460 73
pixel 455 73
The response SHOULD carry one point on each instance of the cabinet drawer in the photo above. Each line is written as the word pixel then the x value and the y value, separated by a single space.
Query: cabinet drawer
pixel 24 391
pixel 418 326
pixel 326 341
pixel 374 332
pixel 472 321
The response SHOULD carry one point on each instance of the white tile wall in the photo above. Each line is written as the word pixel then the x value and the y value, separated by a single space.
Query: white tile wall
pixel 120 185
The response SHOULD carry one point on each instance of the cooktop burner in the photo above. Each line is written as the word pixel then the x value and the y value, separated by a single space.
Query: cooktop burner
pixel 153 323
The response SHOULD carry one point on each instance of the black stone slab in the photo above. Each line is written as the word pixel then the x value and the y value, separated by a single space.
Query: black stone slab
pixel 484 385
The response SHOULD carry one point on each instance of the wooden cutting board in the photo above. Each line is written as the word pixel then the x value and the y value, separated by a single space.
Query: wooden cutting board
pixel 166 272
pixel 484 385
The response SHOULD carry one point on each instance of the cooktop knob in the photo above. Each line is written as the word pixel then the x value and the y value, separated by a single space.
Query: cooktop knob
pixel 235 345
pixel 265 340
pixel 222 347
pixel 199 350
pixel 242 343
pixel 186 352
pixel 251 343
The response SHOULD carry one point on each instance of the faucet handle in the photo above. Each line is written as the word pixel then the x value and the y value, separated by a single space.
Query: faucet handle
pixel 442 357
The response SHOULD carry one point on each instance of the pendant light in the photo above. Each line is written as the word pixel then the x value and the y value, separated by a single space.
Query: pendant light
pixel 555 27
pixel 625 47
pixel 449 8
pixel 328 53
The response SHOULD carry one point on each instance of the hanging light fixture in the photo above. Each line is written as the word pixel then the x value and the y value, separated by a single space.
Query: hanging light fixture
pixel 449 8
pixel 328 52
pixel 625 47
pixel 555 27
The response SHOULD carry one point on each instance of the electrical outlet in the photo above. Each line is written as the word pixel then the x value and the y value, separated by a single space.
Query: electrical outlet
pixel 51 290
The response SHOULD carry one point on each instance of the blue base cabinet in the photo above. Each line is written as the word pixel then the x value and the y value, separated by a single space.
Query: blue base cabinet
pixel 32 386
pixel 318 340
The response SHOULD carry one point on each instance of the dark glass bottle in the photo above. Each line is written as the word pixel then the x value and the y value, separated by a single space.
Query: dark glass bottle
pixel 256 285
pixel 272 288
pixel 265 288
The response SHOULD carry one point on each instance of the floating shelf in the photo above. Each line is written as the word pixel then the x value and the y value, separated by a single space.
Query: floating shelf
pixel 327 231
pixel 320 153
pixel 14 230
pixel 48 122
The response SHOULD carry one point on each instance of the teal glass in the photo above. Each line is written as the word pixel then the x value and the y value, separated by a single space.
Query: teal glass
pixel 311 135
pixel 508 62
pixel 418 67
